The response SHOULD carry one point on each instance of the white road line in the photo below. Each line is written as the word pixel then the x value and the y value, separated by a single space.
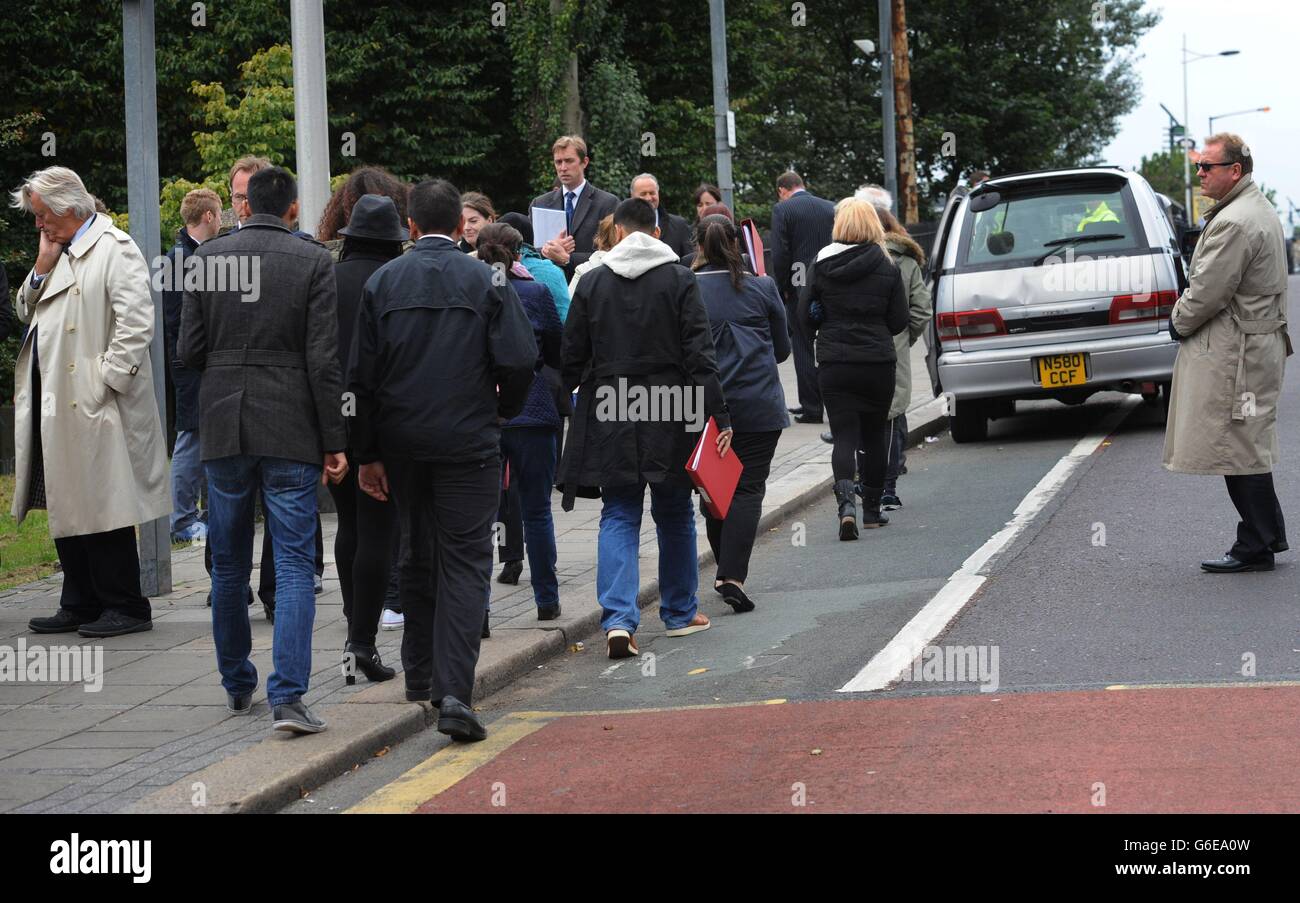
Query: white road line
pixel 899 653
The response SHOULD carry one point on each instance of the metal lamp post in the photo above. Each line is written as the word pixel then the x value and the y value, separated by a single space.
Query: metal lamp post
pixel 1238 113
pixel 1191 56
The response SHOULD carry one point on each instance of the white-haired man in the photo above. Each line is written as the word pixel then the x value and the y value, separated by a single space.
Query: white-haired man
pixel 673 230
pixel 88 438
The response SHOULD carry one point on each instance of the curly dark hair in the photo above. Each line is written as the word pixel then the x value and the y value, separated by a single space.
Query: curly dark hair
pixel 365 180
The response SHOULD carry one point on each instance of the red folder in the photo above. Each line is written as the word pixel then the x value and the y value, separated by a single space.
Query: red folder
pixel 754 245
pixel 714 477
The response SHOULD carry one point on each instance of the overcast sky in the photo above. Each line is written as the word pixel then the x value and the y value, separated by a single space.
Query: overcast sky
pixel 1263 74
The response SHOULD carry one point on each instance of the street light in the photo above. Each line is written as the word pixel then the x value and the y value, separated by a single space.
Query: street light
pixel 1191 56
pixel 890 149
pixel 1238 113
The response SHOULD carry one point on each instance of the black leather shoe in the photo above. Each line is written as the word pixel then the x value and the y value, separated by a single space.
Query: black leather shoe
pixel 1229 565
pixel 114 623
pixel 828 438
pixel 548 614
pixel 418 692
pixel 62 621
pixel 510 572
pixel 808 418
pixel 296 717
pixel 486 633
pixel 458 721
pixel 795 410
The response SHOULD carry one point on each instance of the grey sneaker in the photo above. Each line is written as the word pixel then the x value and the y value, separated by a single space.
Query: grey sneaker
pixel 296 717
pixel 239 705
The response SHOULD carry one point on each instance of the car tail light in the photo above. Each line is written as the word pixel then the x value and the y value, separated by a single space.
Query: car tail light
pixel 970 324
pixel 1133 308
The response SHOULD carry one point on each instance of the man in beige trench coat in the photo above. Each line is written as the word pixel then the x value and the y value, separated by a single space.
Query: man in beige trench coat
pixel 88 439
pixel 1231 321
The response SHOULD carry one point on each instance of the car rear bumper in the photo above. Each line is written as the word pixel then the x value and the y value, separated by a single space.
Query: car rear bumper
pixel 1010 372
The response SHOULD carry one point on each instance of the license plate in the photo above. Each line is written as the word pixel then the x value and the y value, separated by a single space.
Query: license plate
pixel 1058 370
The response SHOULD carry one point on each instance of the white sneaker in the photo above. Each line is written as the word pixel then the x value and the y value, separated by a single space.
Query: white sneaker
pixel 392 620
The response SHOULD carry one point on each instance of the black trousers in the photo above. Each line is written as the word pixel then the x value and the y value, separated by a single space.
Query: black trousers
pixel 266 574
pixel 732 539
pixel 1261 526
pixel 363 554
pixel 101 573
pixel 445 512
pixel 805 363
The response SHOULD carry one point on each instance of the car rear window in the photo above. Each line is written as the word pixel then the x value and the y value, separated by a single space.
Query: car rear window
pixel 1024 227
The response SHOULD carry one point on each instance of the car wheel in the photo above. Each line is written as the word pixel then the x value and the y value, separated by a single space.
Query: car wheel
pixel 970 423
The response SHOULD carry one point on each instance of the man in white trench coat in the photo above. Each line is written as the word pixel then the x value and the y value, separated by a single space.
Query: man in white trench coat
pixel 1231 321
pixel 88 439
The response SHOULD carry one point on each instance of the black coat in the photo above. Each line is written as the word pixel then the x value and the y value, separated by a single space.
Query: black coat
pixel 592 207
pixel 863 302
pixel 271 384
pixel 801 226
pixel 441 355
pixel 185 382
pixel 651 331
pixel 351 272
pixel 675 232
pixel 749 338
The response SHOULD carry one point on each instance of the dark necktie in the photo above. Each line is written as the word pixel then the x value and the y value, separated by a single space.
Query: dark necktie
pixel 568 212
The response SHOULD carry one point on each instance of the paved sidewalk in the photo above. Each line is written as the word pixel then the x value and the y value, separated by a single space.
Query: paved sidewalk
pixel 157 736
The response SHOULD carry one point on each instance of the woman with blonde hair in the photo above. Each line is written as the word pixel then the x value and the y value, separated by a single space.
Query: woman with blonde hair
pixel 854 303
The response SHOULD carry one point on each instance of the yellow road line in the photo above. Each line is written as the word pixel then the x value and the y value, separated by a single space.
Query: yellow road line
pixel 549 716
pixel 1225 685
pixel 445 768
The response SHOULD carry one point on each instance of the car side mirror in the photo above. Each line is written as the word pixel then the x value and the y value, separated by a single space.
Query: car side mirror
pixel 1189 239
pixel 1000 243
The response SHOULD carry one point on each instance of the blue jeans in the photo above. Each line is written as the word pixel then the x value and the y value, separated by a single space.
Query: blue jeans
pixel 187 476
pixel 618 577
pixel 531 453
pixel 289 499
pixel 897 463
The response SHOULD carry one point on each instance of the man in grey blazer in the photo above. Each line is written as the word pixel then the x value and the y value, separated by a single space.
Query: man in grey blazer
pixel 584 205
pixel 263 329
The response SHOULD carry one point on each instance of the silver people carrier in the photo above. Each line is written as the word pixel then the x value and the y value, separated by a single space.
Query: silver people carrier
pixel 1053 284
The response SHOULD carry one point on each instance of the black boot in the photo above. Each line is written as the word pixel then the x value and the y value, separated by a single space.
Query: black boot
pixel 871 516
pixel 848 510
pixel 367 661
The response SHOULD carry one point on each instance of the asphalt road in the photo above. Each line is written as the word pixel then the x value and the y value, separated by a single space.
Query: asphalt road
pixel 1101 590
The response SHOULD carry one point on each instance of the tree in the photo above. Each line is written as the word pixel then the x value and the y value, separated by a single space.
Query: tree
pixel 1164 170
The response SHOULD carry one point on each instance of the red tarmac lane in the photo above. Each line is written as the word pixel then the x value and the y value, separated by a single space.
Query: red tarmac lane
pixel 1172 750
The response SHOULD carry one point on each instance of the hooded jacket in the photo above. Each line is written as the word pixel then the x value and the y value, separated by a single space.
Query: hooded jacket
pixel 863 302
pixel 909 258
pixel 637 330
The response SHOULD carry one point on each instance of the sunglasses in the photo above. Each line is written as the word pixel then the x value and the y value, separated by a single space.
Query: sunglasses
pixel 1206 167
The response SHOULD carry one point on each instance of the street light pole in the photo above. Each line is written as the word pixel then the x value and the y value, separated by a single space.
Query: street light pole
pixel 1190 56
pixel 1238 113
pixel 721 102
pixel 890 155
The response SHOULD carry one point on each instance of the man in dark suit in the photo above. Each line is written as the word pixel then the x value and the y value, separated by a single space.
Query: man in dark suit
pixel 270 417
pixel 443 354
pixel 673 230
pixel 801 226
pixel 584 205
